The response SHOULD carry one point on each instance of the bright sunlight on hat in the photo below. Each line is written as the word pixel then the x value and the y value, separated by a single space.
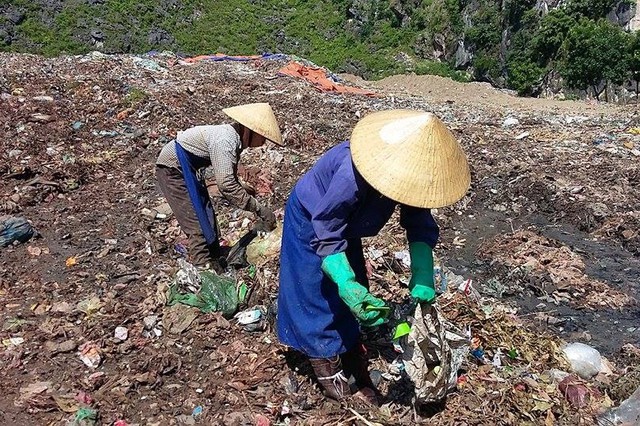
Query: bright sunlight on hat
pixel 410 157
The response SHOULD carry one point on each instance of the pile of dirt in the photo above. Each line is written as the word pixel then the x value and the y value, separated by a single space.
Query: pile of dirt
pixel 551 197
pixel 476 94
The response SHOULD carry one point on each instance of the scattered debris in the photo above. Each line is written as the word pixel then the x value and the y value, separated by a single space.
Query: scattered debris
pixel 627 414
pixel 30 394
pixel 85 417
pixel 575 391
pixel 577 259
pixel 178 318
pixel 89 306
pixel 204 290
pixel 510 122
pixel 248 317
pixel 433 353
pixel 12 342
pixel 89 354
pixel 121 333
pixel 265 249
pixel 60 348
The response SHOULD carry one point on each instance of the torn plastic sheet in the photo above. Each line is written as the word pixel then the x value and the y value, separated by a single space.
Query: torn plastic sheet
pixel 433 353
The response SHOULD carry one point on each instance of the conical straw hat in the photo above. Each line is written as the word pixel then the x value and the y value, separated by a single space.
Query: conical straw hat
pixel 259 118
pixel 410 157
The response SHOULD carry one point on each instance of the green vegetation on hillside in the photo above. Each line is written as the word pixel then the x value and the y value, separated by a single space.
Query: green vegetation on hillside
pixel 509 43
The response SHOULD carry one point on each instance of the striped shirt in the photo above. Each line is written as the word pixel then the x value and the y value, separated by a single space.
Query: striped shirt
pixel 219 147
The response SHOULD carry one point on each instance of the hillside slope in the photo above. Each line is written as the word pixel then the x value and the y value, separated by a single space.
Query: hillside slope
pixel 525 45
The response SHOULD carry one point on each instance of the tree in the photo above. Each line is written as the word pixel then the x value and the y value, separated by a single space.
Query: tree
pixel 634 61
pixel 518 12
pixel 593 9
pixel 595 52
pixel 550 35
pixel 524 74
pixel 485 36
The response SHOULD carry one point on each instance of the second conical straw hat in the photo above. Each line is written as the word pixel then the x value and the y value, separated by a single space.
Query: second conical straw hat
pixel 410 157
pixel 258 117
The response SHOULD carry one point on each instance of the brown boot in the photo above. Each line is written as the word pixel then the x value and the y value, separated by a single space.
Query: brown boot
pixel 356 364
pixel 331 377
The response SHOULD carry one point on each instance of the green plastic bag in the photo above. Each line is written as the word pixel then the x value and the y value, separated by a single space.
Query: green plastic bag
pixel 217 294
pixel 84 417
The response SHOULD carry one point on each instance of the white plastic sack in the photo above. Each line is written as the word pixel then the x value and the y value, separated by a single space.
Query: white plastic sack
pixel 585 360
pixel 433 353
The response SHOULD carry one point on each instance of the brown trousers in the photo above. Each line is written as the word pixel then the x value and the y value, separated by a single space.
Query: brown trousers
pixel 172 185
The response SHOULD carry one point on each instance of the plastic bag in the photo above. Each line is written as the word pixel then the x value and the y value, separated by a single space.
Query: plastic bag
pixel 15 229
pixel 585 361
pixel 263 249
pixel 627 414
pixel 433 354
pixel 188 277
pixel 207 291
pixel 84 417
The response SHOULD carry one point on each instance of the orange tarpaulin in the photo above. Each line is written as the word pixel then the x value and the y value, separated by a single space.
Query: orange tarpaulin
pixel 318 77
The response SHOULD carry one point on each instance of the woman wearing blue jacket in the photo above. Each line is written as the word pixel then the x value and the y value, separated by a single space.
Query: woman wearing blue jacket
pixel 395 158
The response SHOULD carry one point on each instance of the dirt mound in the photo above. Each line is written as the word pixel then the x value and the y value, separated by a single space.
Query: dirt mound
pixel 438 89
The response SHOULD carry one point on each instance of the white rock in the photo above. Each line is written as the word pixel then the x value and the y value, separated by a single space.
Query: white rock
pixel 150 321
pixel 43 98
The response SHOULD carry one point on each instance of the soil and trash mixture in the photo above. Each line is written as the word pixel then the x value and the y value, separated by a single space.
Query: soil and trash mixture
pixel 545 249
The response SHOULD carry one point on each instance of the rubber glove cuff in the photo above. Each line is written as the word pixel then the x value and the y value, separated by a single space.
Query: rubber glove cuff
pixel 421 283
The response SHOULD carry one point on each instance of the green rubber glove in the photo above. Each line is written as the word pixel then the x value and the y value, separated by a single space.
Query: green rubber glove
pixel 354 294
pixel 421 283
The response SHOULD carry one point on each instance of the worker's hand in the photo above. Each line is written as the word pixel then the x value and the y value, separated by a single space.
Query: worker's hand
pixel 370 310
pixel 267 220
pixel 363 305
pixel 423 293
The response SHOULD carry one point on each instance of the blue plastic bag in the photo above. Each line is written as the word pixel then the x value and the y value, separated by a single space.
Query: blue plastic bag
pixel 15 229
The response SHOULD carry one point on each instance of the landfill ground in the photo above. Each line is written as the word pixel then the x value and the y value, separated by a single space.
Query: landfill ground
pixel 549 233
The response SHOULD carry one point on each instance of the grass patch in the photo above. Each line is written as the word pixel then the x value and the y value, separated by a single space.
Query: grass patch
pixel 441 69
pixel 135 97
